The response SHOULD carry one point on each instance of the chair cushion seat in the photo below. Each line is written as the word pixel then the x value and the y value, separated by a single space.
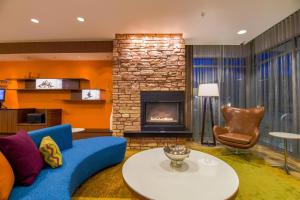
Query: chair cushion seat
pixel 236 138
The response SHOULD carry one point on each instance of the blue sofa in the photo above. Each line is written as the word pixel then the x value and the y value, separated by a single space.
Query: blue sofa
pixel 81 159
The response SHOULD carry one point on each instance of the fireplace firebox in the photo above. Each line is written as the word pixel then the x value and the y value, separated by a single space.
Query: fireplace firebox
pixel 162 111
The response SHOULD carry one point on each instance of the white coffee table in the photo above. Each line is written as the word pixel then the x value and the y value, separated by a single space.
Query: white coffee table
pixel 202 176
pixel 285 137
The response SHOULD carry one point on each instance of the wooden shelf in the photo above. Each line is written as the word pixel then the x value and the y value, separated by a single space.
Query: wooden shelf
pixel 42 90
pixel 31 124
pixel 33 89
pixel 89 89
pixel 31 79
pixel 84 101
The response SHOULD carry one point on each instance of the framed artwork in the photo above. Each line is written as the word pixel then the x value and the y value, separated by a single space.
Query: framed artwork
pixel 48 84
pixel 90 94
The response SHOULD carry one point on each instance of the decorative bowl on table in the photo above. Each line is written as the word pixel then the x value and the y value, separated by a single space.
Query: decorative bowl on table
pixel 177 154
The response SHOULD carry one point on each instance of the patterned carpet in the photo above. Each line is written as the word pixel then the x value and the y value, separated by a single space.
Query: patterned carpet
pixel 258 181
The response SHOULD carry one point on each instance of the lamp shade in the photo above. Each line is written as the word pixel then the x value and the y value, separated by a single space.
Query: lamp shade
pixel 208 90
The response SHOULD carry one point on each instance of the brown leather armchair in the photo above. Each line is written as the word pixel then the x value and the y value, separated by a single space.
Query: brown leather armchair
pixel 241 127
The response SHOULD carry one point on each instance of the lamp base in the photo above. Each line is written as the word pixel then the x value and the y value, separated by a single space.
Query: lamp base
pixel 209 144
pixel 203 123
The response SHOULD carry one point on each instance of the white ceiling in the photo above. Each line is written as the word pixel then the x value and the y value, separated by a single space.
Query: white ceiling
pixel 221 20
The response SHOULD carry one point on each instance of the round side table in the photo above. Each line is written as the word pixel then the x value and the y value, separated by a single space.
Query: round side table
pixel 285 137
pixel 77 130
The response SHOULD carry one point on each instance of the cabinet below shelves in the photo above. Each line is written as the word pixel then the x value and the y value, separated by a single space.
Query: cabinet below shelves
pixel 13 120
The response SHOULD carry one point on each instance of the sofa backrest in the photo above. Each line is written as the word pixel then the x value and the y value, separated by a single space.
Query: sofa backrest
pixel 61 134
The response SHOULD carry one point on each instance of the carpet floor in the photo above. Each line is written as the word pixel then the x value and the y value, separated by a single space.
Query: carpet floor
pixel 258 181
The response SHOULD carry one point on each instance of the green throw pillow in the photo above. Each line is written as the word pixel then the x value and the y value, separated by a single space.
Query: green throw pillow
pixel 51 152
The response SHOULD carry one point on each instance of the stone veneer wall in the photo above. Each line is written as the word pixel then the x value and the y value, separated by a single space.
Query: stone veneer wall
pixel 144 62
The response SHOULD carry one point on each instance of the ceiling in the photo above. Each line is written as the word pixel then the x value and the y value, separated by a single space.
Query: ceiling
pixel 201 21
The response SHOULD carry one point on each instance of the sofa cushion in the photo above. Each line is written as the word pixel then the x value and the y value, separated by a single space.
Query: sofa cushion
pixel 85 158
pixel 61 134
pixel 24 157
pixel 51 153
pixel 7 177
pixel 236 138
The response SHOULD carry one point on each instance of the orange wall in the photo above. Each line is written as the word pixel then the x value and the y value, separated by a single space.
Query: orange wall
pixel 78 114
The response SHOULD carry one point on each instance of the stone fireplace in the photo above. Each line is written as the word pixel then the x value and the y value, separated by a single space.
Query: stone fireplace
pixel 162 111
pixel 146 63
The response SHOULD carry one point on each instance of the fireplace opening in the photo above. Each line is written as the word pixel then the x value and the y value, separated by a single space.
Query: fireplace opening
pixel 162 111
pixel 166 112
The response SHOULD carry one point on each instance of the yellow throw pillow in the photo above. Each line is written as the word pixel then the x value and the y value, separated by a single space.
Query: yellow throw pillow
pixel 7 178
pixel 51 152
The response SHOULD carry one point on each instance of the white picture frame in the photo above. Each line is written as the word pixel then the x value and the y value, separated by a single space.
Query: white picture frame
pixel 91 94
pixel 48 84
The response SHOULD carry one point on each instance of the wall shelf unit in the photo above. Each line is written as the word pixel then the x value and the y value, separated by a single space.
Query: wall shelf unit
pixel 30 79
pixel 78 94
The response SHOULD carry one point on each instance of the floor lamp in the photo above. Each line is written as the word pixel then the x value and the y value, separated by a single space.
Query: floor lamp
pixel 208 91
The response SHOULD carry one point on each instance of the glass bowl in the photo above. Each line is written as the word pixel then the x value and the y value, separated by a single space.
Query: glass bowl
pixel 177 154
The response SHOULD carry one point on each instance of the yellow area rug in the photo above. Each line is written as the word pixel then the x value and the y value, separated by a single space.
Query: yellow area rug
pixel 258 181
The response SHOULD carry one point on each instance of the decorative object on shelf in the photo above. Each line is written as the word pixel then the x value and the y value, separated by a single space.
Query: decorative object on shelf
pixel 3 84
pixel 48 84
pixel 86 96
pixel 32 75
pixel 177 154
pixel 91 94
pixel 35 118
pixel 208 91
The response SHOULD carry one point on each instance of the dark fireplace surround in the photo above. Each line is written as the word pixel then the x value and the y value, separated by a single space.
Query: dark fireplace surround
pixel 162 111
pixel 162 115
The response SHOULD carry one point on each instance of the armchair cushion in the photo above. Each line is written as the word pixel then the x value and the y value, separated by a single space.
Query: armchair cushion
pixel 236 138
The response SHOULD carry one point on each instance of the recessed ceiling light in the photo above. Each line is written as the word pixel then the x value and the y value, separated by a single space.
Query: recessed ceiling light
pixel 80 19
pixel 241 32
pixel 34 20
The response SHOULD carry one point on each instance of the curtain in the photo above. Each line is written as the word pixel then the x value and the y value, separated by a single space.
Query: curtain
pixel 225 65
pixel 278 34
pixel 275 81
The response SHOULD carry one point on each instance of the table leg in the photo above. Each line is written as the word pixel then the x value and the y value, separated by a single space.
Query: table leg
pixel 286 168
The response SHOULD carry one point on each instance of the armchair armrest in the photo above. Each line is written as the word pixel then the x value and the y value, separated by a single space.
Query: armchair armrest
pixel 218 130
pixel 255 138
